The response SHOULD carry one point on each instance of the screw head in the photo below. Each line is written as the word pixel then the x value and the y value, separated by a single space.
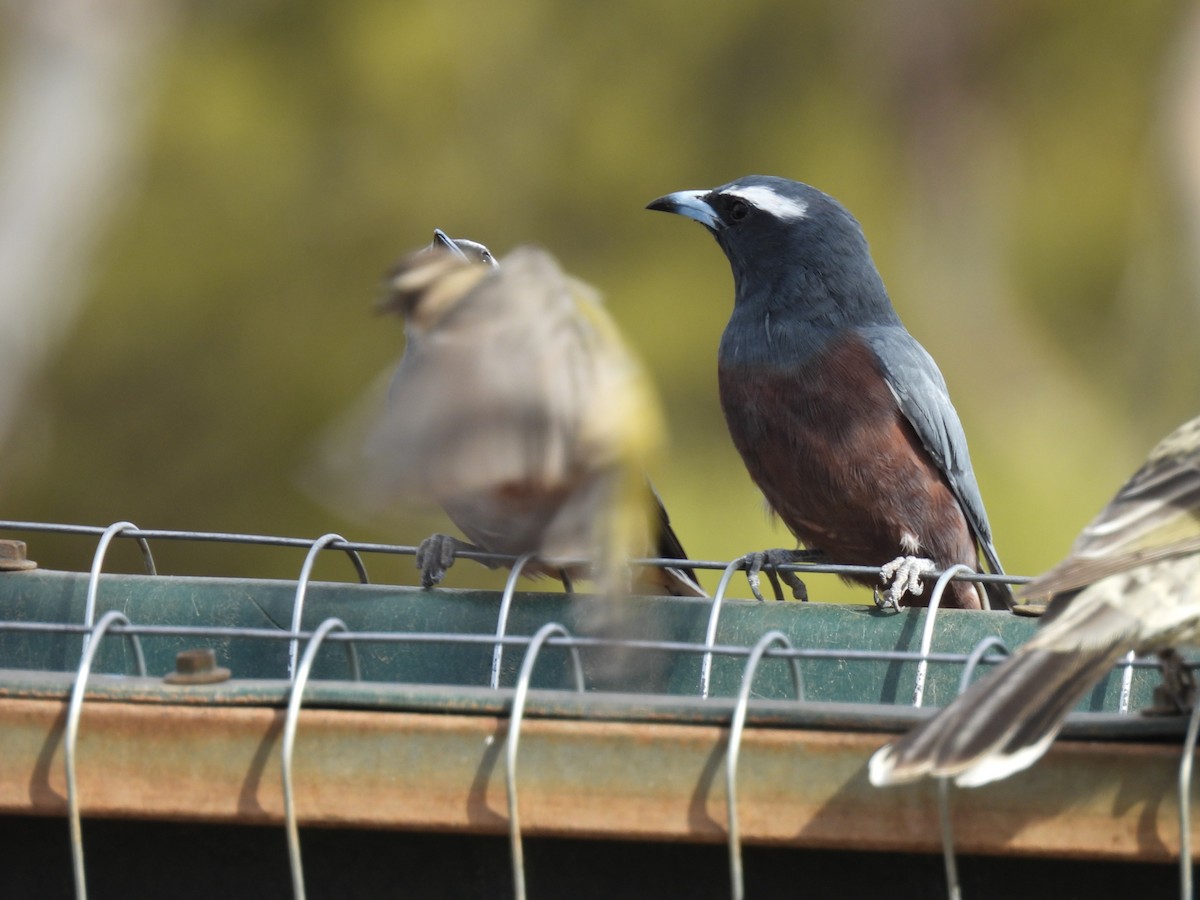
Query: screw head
pixel 197 666
pixel 12 557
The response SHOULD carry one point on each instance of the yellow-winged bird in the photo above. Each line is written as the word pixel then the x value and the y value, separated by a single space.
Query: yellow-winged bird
pixel 518 408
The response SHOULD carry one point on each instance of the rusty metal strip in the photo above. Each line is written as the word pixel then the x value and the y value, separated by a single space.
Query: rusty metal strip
pixel 584 779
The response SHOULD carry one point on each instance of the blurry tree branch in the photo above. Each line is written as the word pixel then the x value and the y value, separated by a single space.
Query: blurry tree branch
pixel 76 91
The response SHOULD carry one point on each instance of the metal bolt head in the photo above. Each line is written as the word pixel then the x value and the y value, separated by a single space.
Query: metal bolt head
pixel 197 666
pixel 12 557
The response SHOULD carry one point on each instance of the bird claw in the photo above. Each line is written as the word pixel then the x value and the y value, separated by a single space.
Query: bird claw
pixel 903 574
pixel 771 559
pixel 435 555
pixel 799 588
pixel 754 564
pixel 881 601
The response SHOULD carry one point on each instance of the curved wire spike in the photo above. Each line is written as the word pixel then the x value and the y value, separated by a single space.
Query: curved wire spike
pixel 89 606
pixel 1185 798
pixel 975 657
pixel 71 736
pixel 953 888
pixel 289 741
pixel 506 599
pixel 714 617
pixel 949 858
pixel 118 528
pixel 939 586
pixel 514 736
pixel 935 600
pixel 736 727
pixel 1126 682
pixel 302 589
pixel 147 556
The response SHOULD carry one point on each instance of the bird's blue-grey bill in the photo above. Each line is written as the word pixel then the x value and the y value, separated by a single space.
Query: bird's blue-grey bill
pixel 690 204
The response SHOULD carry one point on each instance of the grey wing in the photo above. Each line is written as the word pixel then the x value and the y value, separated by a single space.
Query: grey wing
pixel 924 400
pixel 337 472
pixel 491 396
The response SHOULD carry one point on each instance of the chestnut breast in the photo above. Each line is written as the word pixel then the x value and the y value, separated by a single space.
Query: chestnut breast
pixel 837 460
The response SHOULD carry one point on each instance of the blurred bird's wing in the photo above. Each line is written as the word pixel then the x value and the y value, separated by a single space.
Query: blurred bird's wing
pixel 1131 582
pixel 622 428
pixel 1005 721
pixel 1155 515
pixel 924 400
pixel 336 472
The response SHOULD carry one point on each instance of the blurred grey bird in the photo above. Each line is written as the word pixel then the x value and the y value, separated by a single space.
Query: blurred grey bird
pixel 1131 582
pixel 519 410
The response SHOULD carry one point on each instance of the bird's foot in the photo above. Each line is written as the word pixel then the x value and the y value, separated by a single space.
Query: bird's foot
pixel 436 554
pixel 1176 694
pixel 770 560
pixel 903 575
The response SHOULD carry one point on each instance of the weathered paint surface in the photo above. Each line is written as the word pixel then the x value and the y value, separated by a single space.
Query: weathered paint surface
pixel 576 778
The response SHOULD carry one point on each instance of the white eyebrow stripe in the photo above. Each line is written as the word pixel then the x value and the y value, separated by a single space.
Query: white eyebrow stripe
pixel 770 202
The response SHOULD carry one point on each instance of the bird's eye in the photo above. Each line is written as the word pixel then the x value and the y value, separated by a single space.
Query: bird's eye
pixel 738 210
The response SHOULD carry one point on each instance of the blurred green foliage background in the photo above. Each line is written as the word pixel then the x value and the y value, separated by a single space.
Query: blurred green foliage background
pixel 1027 172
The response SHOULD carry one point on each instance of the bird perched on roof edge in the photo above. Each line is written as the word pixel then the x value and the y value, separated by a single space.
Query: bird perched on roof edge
pixel 842 418
pixel 1130 582
pixel 519 410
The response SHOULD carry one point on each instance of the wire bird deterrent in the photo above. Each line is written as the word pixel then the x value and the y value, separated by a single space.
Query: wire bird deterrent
pixel 706 656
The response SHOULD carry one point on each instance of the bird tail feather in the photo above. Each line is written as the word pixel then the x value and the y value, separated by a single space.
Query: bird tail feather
pixel 1000 595
pixel 1003 723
